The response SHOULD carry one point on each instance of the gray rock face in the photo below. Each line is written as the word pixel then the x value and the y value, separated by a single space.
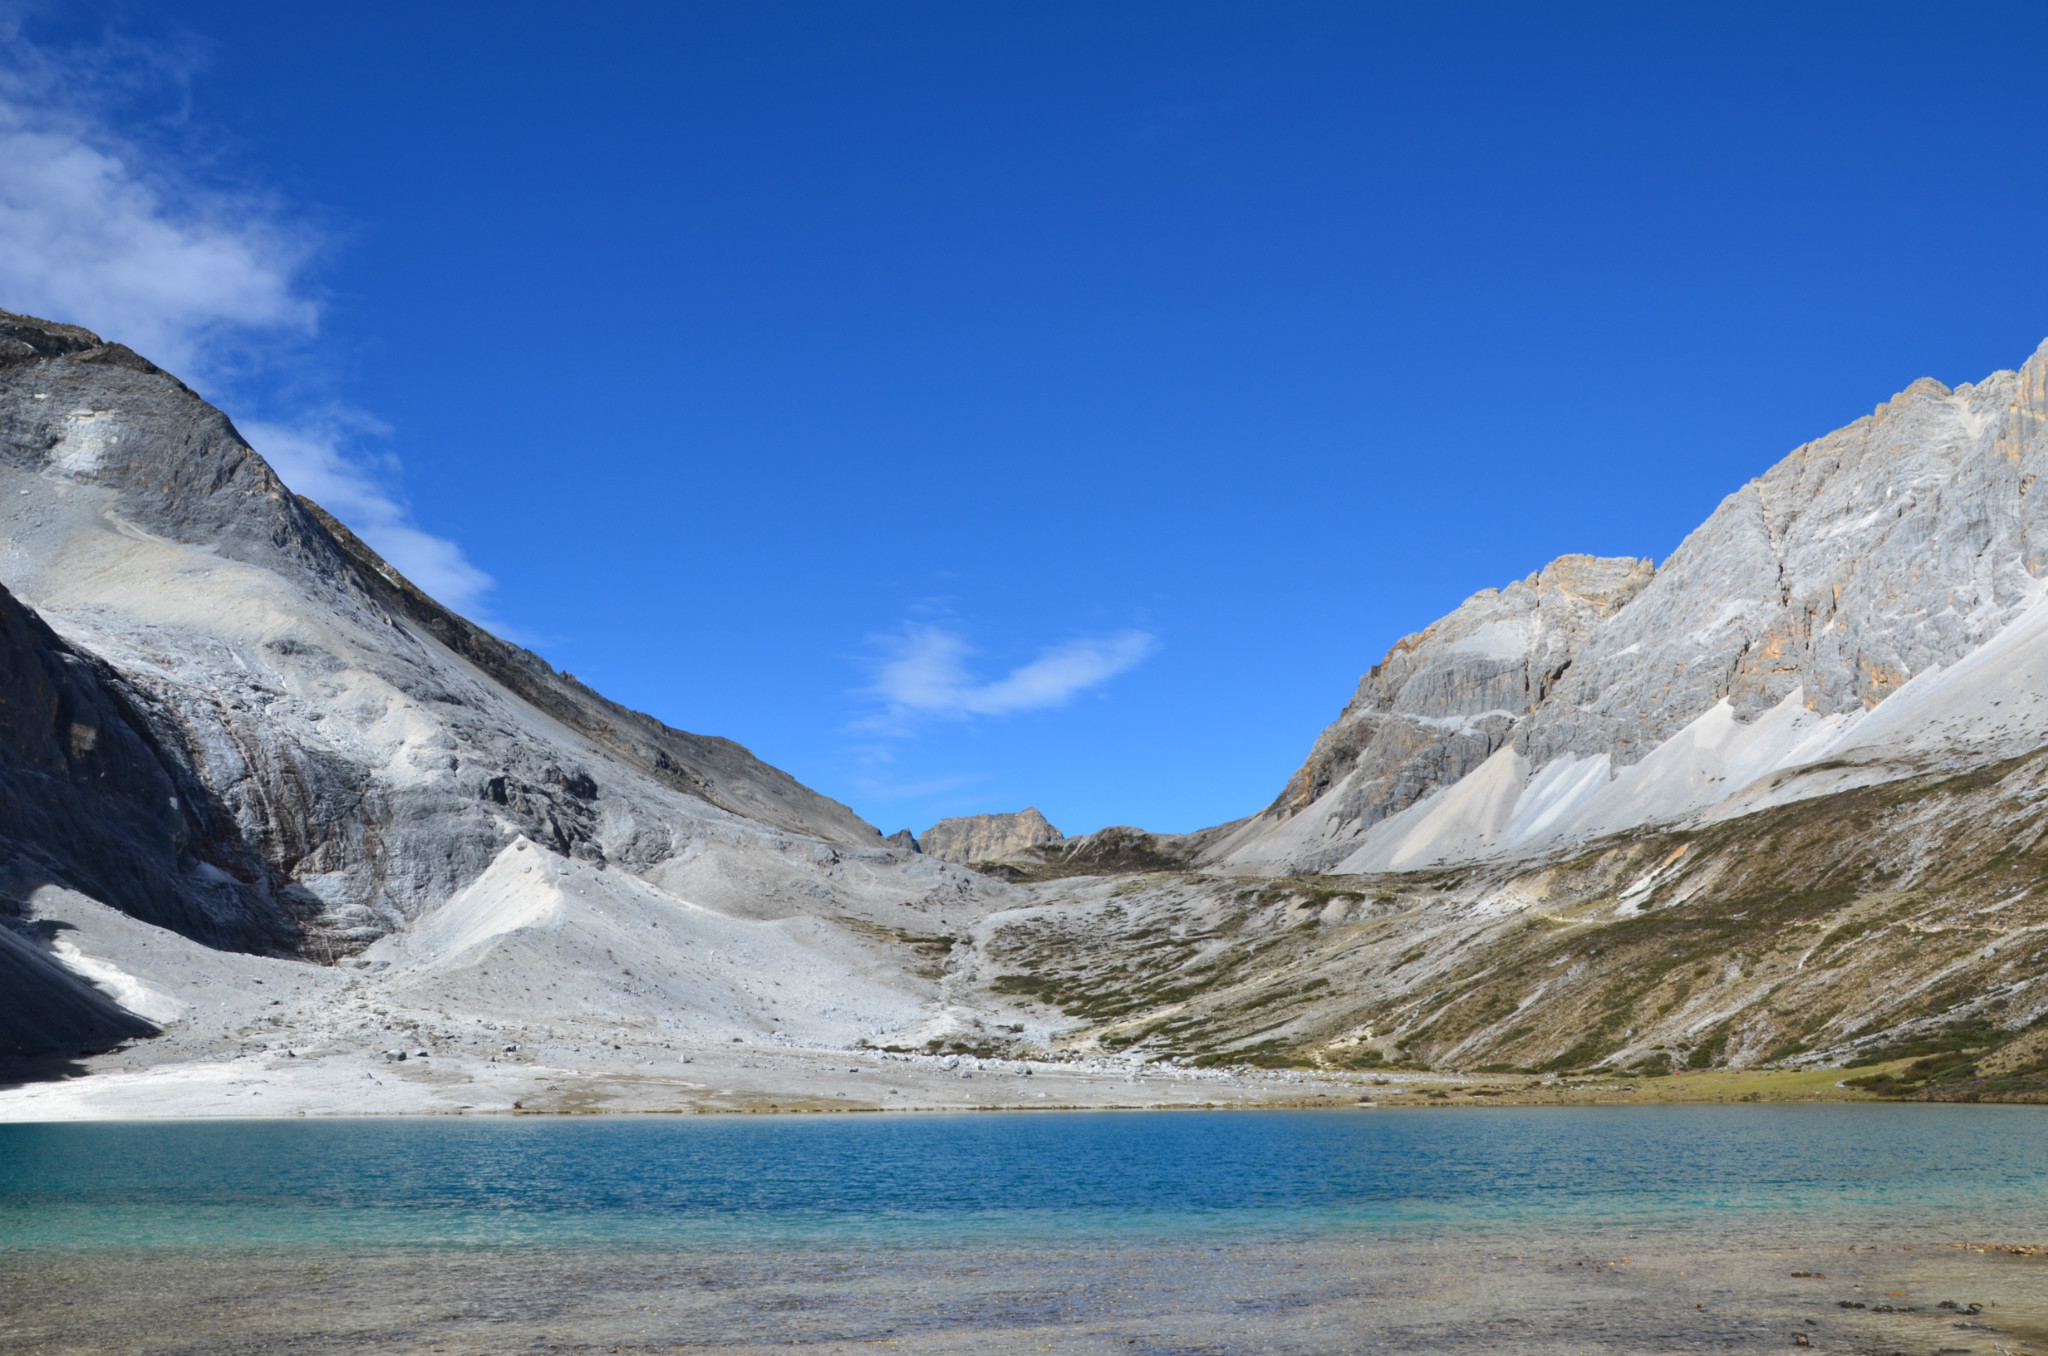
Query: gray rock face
pixel 1445 698
pixel 353 751
pixel 987 838
pixel 1896 546
pixel 714 769
pixel 1901 542
pixel 90 801
pixel 93 798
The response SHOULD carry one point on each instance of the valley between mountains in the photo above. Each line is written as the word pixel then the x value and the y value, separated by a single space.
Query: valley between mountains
pixel 280 833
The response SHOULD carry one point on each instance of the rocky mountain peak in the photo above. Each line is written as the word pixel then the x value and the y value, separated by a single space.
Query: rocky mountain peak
pixel 1606 582
pixel 1887 552
pixel 24 338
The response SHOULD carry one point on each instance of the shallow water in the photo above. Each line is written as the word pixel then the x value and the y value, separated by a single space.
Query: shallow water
pixel 1640 1229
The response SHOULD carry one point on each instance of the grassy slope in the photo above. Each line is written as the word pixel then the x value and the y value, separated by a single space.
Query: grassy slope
pixel 1905 922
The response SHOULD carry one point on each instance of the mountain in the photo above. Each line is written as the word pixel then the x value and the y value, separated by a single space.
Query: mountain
pixel 275 824
pixel 1782 800
pixel 224 716
pixel 1865 610
pixel 370 748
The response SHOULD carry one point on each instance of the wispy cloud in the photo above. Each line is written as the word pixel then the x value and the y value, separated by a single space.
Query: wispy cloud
pixel 96 232
pixel 311 459
pixel 875 790
pixel 925 673
pixel 133 243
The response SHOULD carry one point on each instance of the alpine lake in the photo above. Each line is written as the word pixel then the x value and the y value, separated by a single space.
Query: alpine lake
pixel 1845 1228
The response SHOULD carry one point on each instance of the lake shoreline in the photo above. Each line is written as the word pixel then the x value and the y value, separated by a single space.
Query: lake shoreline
pixel 776 1081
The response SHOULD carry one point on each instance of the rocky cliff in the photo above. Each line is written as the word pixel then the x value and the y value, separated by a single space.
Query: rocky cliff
pixel 1444 699
pixel 1776 803
pixel 90 801
pixel 987 838
pixel 1597 695
pixel 94 799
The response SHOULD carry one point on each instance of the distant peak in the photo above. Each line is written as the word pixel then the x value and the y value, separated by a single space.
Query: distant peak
pixel 988 838
pixel 1924 386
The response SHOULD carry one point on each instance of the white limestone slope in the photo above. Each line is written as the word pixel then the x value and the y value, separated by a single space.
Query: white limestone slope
pixel 1503 809
pixel 539 937
pixel 542 974
pixel 553 986
pixel 1991 704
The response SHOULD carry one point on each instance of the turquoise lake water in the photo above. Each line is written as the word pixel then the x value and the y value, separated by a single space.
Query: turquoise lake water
pixel 713 1233
pixel 1052 1176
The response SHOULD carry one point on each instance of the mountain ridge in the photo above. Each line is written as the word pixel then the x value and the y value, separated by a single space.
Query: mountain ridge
pixel 1893 547
pixel 646 741
pixel 320 824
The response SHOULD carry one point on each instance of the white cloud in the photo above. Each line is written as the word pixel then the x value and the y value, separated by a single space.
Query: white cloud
pixel 96 231
pixel 312 462
pixel 926 674
pixel 88 239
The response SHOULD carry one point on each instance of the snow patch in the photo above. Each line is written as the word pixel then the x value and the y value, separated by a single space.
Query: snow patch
pixel 124 988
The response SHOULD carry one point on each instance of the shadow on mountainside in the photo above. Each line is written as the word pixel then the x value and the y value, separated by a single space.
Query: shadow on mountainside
pixel 49 1015
pixel 18 1071
pixel 96 797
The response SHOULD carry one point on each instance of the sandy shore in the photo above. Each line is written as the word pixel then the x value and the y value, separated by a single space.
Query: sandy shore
pixel 544 1077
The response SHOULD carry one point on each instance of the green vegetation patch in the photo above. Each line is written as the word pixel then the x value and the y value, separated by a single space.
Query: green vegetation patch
pixel 1949 1068
pixel 1950 1040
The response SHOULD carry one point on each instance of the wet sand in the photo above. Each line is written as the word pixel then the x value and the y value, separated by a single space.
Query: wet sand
pixel 1534 1293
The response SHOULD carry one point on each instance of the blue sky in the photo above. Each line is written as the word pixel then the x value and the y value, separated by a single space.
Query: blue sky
pixel 967 406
